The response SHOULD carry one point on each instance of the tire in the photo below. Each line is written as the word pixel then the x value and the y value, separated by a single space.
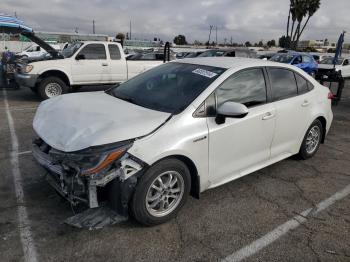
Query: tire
pixel 141 203
pixel 52 86
pixel 312 140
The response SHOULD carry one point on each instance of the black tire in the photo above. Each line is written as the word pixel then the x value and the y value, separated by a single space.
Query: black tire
pixel 138 203
pixel 304 152
pixel 56 82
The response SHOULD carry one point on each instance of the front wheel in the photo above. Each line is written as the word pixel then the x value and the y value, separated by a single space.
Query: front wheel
pixel 161 192
pixel 312 140
pixel 52 86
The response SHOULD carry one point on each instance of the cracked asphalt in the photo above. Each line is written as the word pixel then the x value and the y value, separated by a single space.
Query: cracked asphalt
pixel 223 221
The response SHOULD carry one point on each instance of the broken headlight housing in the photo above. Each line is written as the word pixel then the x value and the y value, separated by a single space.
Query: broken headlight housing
pixel 92 160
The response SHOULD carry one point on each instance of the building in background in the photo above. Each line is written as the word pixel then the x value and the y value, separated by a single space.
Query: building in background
pixel 59 37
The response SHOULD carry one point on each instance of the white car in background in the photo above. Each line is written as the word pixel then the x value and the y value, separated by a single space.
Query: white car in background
pixel 35 51
pixel 326 67
pixel 178 129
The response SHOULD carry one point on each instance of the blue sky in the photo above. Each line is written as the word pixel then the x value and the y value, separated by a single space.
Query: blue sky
pixel 242 20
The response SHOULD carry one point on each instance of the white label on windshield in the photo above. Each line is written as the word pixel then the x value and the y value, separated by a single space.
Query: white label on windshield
pixel 205 73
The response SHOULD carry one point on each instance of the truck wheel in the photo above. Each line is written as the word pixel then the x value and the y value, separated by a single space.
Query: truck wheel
pixel 161 192
pixel 52 86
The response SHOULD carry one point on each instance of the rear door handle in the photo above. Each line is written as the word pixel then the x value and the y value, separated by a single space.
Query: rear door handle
pixel 305 104
pixel 268 116
pixel 104 64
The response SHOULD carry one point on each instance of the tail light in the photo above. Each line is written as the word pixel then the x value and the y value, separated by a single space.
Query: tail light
pixel 330 95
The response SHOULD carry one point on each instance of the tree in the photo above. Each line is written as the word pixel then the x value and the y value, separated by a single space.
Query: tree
pixel 271 43
pixel 180 40
pixel 260 44
pixel 120 36
pixel 298 10
pixel 284 41
pixel 196 42
pixel 248 44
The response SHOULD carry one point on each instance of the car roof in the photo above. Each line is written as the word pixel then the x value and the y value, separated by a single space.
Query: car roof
pixel 230 62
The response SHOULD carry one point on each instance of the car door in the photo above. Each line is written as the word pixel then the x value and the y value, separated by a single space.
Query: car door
pixel 90 64
pixel 239 145
pixel 117 65
pixel 292 111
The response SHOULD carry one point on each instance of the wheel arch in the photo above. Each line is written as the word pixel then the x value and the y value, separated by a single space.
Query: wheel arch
pixel 323 121
pixel 55 72
pixel 195 178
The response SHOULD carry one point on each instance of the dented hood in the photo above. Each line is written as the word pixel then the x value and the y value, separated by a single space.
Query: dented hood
pixel 78 121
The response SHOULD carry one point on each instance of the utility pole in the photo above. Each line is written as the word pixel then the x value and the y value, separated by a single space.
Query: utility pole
pixel 93 26
pixel 210 28
pixel 216 35
pixel 16 14
pixel 231 41
pixel 130 31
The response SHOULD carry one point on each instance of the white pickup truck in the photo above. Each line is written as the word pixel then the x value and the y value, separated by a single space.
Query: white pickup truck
pixel 82 63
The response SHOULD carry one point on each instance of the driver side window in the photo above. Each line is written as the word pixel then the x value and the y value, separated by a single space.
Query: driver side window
pixel 246 87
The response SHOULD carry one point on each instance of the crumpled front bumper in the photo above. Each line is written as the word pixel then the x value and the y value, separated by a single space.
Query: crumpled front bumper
pixel 77 189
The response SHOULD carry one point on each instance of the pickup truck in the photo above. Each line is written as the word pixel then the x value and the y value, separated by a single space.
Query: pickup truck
pixel 80 64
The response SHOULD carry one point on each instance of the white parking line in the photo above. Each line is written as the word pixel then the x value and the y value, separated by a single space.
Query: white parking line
pixel 24 153
pixel 283 229
pixel 27 242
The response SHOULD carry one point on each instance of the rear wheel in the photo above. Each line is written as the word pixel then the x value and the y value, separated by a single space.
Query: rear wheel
pixel 52 86
pixel 161 192
pixel 312 140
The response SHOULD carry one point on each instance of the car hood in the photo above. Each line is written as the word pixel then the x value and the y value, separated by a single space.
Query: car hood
pixel 78 121
pixel 324 66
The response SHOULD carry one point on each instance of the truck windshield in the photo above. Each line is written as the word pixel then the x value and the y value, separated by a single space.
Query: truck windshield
pixel 168 88
pixel 71 49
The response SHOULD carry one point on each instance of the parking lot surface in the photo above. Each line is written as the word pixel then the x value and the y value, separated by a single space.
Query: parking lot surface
pixel 253 216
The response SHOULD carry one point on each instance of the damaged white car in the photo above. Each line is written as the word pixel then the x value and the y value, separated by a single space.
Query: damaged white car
pixel 176 130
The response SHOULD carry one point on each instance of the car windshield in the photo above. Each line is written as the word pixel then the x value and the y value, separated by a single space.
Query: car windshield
pixel 282 58
pixel 211 53
pixel 168 88
pixel 71 49
pixel 329 61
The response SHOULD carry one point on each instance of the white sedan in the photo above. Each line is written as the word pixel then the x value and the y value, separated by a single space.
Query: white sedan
pixel 178 129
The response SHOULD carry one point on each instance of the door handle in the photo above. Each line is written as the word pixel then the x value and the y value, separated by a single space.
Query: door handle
pixel 305 104
pixel 268 116
pixel 104 64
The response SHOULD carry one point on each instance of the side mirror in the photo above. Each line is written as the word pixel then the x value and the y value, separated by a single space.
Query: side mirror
pixel 80 57
pixel 232 110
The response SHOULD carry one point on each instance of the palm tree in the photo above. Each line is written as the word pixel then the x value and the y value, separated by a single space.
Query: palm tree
pixel 298 10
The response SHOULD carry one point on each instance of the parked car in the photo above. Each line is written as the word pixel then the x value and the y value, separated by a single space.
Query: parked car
pixel 320 57
pixel 193 54
pixel 36 51
pixel 178 129
pixel 149 56
pixel 82 63
pixel 228 53
pixel 267 56
pixel 303 61
pixel 341 67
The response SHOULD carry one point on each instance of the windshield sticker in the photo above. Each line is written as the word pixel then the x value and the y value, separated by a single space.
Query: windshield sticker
pixel 205 73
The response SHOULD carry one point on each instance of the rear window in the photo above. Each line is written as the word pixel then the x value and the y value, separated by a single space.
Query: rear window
pixel 302 84
pixel 283 83
pixel 114 52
